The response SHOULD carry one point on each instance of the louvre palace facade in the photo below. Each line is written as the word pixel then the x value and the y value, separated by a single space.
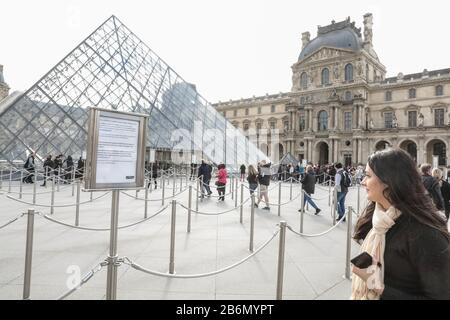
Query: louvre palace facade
pixel 342 107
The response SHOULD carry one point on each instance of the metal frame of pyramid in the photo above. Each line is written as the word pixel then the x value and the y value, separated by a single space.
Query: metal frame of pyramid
pixel 112 68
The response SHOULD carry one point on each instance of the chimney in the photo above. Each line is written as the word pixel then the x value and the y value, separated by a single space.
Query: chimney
pixel 305 39
pixel 368 23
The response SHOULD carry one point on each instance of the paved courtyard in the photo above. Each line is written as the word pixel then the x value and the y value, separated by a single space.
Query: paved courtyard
pixel 314 267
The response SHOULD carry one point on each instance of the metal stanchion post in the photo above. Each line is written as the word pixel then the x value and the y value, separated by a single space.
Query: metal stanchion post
pixel 146 198
pixel 242 203
pixel 77 206
pixel 349 242
pixel 91 196
pixel 329 192
pixel 73 181
pixel 174 185
pixel 279 198
pixel 1 178
pixel 10 180
pixel 28 255
pixel 111 284
pixel 20 184
pixel 334 206
pixel 46 175
pixel 302 209
pixel 290 192
pixel 189 210
pixel 34 191
pixel 172 238
pixel 358 199
pixel 196 194
pixel 59 179
pixel 236 194
pixel 52 197
pixel 163 184
pixel 252 223
pixel 281 249
pixel 232 187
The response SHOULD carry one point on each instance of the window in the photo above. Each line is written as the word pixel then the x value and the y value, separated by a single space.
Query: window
pixel 325 76
pixel 224 114
pixel 347 121
pixel 234 113
pixel 304 81
pixel 367 72
pixel 348 96
pixel 388 96
pixel 388 117
pixel 412 119
pixel 246 111
pixel 272 125
pixel 258 127
pixel 349 72
pixel 259 110
pixel 439 90
pixel 246 126
pixel 412 93
pixel 286 125
pixel 323 121
pixel 438 117
pixel 272 108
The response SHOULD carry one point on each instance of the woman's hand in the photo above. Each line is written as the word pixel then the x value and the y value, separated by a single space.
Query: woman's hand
pixel 372 276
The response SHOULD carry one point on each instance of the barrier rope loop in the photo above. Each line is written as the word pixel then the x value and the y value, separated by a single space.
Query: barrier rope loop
pixel 13 220
pixel 318 234
pixel 136 266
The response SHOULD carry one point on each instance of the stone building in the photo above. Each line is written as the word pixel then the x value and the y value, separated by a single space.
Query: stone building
pixel 341 107
pixel 4 89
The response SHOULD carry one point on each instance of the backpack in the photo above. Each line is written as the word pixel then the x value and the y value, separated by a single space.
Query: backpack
pixel 345 179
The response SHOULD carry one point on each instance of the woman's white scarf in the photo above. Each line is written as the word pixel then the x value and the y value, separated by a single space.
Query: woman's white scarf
pixel 374 244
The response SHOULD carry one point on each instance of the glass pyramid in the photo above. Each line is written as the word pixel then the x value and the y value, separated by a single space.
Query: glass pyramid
pixel 114 69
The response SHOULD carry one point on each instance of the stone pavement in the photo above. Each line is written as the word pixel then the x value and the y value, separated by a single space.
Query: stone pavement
pixel 314 266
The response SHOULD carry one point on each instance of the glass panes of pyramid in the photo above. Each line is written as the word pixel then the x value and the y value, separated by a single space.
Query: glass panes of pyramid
pixel 114 69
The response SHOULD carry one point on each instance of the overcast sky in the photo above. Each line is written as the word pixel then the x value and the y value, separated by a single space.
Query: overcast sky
pixel 229 49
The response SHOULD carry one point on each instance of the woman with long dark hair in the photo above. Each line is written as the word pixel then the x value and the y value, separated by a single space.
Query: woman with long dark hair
pixel 404 233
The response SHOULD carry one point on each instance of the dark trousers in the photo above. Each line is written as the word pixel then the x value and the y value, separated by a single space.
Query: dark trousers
pixel 221 190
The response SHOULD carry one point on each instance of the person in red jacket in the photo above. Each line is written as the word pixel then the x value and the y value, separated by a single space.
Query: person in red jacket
pixel 221 181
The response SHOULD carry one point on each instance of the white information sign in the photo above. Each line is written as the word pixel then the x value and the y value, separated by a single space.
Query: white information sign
pixel 435 161
pixel 117 150
pixel 152 155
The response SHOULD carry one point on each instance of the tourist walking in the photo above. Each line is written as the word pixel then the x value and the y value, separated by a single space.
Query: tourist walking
pixel 48 169
pixel 204 174
pixel 445 190
pixel 264 175
pixel 242 168
pixel 342 182
pixel 309 184
pixel 29 166
pixel 252 179
pixel 432 186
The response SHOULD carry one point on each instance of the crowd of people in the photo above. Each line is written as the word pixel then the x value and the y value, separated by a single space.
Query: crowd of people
pixel 58 166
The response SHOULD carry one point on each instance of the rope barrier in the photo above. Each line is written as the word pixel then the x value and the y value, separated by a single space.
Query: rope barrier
pixel 13 220
pixel 201 275
pixel 84 279
pixel 45 216
pixel 213 213
pixel 56 206
pixel 150 200
pixel 318 234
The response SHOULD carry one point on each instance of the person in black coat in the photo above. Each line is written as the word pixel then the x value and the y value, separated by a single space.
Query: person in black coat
pixel 48 169
pixel 413 259
pixel 309 184
pixel 432 186
pixel 204 172
pixel 29 166
pixel 445 190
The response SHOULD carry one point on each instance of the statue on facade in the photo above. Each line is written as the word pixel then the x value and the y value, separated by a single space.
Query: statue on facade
pixel 420 120
pixel 368 25
pixel 371 124
pixel 394 121
pixel 336 71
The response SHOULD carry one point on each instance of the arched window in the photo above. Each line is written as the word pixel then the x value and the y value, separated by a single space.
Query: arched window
pixel 348 96
pixel 412 93
pixel 325 76
pixel 439 90
pixel 304 80
pixel 323 121
pixel 388 96
pixel 349 72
